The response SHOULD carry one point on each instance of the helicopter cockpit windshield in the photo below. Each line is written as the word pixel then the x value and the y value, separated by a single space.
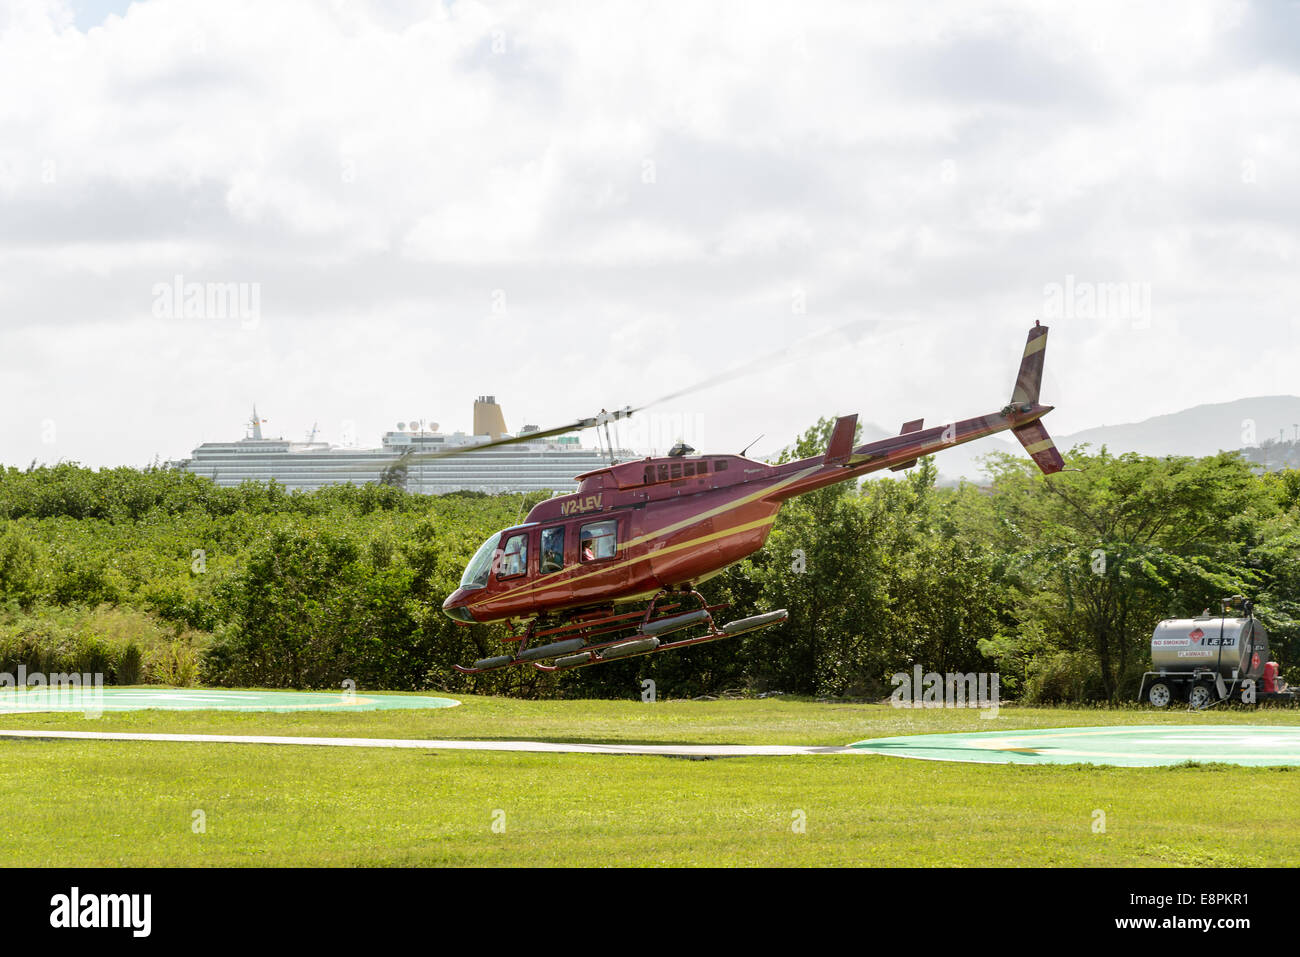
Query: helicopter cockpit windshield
pixel 480 566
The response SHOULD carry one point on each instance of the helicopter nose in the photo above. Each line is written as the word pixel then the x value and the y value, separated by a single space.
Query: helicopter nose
pixel 454 608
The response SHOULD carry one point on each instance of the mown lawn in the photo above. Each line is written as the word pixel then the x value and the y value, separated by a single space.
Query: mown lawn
pixel 129 803
pixel 768 721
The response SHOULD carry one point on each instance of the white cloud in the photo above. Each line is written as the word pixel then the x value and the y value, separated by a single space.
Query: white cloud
pixel 648 188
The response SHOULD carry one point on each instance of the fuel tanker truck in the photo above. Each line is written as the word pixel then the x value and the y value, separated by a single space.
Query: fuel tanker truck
pixel 1203 661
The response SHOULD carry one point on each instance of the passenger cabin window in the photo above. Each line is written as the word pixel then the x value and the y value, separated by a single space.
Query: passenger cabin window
pixel 552 549
pixel 720 465
pixel 514 557
pixel 678 470
pixel 598 541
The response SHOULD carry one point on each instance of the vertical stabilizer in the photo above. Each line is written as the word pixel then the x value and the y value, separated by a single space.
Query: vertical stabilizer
pixel 1040 447
pixel 1030 378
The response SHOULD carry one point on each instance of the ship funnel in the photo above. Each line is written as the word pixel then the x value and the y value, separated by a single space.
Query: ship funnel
pixel 488 418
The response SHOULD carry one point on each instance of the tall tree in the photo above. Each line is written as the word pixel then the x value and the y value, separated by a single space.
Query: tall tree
pixel 1105 551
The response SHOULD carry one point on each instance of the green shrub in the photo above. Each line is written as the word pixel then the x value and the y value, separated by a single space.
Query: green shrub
pixel 175 662
pixel 1062 677
pixel 125 645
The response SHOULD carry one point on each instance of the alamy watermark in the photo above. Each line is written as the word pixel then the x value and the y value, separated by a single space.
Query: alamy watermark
pixel 1074 299
pixel 60 691
pixel 76 908
pixel 179 299
pixel 929 689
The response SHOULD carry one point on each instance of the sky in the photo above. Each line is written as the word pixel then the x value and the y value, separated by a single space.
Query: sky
pixel 354 214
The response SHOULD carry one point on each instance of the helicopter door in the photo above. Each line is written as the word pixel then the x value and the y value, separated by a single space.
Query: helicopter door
pixel 601 555
pixel 551 558
pixel 513 561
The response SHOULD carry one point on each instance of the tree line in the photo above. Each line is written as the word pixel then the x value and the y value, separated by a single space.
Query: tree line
pixel 1055 583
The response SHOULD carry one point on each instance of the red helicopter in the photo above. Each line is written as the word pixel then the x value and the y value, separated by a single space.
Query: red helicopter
pixel 656 528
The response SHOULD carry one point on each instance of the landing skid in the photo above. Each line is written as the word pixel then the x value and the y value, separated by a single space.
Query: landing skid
pixel 645 636
pixel 637 647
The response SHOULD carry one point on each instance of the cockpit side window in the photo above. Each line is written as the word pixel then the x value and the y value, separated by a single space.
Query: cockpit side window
pixel 476 572
pixel 514 557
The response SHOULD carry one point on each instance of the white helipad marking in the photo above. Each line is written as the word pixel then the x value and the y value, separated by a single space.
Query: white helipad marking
pixel 671 750
pixel 1277 742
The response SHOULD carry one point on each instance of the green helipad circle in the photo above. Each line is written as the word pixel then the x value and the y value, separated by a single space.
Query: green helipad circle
pixel 16 701
pixel 1122 746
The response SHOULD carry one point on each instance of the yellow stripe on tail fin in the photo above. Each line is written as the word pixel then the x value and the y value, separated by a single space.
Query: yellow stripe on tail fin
pixel 1040 447
pixel 1030 377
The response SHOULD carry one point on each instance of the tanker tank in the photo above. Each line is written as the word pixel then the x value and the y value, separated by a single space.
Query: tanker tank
pixel 1226 646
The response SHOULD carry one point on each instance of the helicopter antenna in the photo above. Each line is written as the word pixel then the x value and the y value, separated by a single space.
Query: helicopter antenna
pixel 751 444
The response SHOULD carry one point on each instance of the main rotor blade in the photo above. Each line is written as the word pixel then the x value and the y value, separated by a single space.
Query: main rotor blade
pixel 850 332
pixel 522 437
pixel 406 458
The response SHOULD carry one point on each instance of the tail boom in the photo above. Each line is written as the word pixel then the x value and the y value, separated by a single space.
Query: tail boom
pixel 1021 417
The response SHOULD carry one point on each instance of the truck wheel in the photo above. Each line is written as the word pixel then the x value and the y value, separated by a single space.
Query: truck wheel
pixel 1200 697
pixel 1160 694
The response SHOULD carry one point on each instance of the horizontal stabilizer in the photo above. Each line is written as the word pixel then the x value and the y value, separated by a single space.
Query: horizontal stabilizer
pixel 908 427
pixel 1040 447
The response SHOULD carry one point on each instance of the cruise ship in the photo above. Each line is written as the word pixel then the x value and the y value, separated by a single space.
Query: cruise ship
pixel 530 466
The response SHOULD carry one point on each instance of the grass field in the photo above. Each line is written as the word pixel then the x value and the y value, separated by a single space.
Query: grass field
pixel 134 803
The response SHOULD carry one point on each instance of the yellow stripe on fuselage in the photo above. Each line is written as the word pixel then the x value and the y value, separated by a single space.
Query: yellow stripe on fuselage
pixel 698 540
pixel 537 585
pixel 722 509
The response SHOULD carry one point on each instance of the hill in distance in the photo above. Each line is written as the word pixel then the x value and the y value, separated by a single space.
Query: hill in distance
pixel 1200 430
